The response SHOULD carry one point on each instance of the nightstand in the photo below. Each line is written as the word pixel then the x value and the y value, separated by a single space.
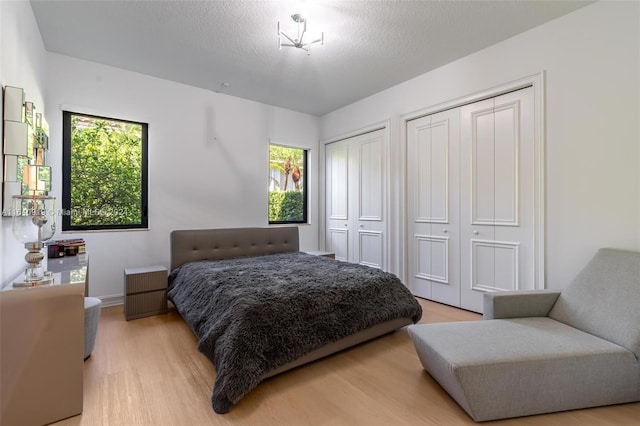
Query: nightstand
pixel 145 291
pixel 328 254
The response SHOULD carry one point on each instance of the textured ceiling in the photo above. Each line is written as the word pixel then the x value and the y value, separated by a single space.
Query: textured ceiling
pixel 369 45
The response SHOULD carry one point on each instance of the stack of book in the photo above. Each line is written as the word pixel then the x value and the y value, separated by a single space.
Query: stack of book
pixel 71 247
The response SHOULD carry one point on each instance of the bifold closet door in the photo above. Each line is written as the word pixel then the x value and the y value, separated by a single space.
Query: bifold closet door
pixel 470 200
pixel 355 199
pixel 433 207
pixel 337 200
pixel 497 195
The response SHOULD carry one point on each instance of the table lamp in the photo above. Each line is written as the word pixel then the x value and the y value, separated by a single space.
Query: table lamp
pixel 34 222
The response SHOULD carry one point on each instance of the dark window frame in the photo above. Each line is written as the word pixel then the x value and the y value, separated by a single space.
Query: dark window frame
pixel 305 197
pixel 66 177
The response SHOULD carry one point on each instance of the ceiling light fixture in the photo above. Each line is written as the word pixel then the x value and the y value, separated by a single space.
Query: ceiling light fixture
pixel 298 42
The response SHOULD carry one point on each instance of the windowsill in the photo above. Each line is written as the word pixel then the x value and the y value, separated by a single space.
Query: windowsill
pixel 94 231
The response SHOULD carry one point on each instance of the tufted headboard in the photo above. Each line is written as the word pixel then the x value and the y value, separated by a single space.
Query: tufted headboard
pixel 226 243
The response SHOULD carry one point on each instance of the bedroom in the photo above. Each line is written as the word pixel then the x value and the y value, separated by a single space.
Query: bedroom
pixel 592 183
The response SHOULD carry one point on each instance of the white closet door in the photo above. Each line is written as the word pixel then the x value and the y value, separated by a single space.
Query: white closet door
pixel 356 199
pixel 497 192
pixel 433 207
pixel 370 199
pixel 337 200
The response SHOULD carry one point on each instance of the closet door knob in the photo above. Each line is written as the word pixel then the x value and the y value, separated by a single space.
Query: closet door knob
pixel 445 230
pixel 361 226
pixel 476 232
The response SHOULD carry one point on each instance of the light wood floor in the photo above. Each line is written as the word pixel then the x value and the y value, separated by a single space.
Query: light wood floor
pixel 149 372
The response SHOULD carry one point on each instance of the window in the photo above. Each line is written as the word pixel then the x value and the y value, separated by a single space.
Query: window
pixel 104 173
pixel 287 184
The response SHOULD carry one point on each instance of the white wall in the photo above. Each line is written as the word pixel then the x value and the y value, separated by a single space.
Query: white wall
pixel 22 64
pixel 199 139
pixel 208 159
pixel 591 58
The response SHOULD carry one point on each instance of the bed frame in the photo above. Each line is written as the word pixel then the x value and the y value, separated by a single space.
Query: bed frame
pixel 227 243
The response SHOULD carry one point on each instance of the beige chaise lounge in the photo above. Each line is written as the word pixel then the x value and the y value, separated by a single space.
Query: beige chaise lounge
pixel 544 351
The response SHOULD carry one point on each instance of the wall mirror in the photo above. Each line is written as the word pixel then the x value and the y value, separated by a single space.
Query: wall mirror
pixel 24 146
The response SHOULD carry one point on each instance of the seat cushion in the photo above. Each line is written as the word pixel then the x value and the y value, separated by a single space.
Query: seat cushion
pixel 604 299
pixel 92 307
pixel 508 368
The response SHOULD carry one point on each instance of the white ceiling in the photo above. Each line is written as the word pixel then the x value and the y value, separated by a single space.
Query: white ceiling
pixel 369 45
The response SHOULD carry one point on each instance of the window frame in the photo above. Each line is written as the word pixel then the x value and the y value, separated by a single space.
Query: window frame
pixel 66 177
pixel 305 198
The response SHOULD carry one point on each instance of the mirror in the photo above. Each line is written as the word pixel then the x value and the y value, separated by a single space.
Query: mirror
pixel 10 168
pixel 15 138
pixel 25 142
pixel 13 102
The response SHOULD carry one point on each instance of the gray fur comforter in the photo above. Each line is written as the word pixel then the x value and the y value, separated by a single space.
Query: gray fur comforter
pixel 252 315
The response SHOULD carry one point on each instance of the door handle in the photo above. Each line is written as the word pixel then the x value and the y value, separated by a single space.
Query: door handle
pixel 476 232
pixel 445 230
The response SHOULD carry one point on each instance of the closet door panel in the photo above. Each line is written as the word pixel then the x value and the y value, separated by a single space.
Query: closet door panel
pixel 497 236
pixel 439 171
pixel 494 266
pixel 370 198
pixel 371 248
pixel 445 207
pixel 337 199
pixel 507 164
pixel 482 151
pixel 420 273
pixel 521 230
pixel 370 182
pixel 432 258
pixel 337 174
pixel 419 207
pixel 338 243
pixel 432 159
pixel 419 170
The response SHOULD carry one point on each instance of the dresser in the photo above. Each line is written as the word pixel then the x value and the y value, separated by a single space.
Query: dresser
pixel 42 346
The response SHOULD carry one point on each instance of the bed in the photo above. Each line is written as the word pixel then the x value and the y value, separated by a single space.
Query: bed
pixel 260 307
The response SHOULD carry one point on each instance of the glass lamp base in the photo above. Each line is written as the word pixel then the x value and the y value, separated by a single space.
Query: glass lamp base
pixel 33 281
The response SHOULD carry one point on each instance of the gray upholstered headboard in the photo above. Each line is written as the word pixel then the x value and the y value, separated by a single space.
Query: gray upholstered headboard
pixel 225 243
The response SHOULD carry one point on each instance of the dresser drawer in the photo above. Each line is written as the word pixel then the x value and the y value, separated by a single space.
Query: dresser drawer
pixel 140 280
pixel 145 304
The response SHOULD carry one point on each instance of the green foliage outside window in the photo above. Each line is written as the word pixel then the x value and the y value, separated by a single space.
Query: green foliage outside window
pixel 285 206
pixel 105 174
pixel 287 185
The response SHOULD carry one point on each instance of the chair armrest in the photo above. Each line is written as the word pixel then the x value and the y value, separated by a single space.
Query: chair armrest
pixel 519 304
